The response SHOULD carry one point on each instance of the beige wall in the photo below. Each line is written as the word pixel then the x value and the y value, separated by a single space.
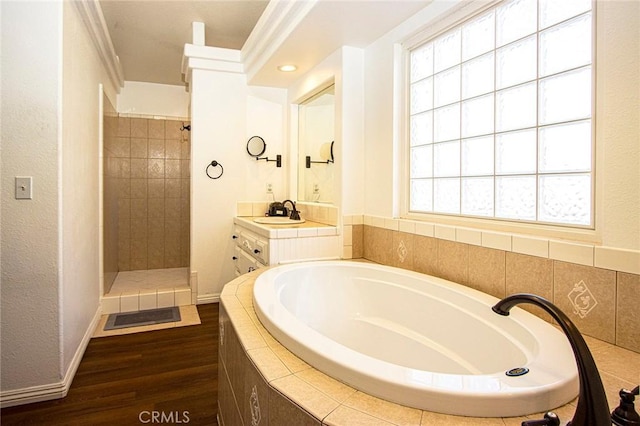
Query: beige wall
pixel 149 163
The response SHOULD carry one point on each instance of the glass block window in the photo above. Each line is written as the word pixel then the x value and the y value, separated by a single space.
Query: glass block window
pixel 500 115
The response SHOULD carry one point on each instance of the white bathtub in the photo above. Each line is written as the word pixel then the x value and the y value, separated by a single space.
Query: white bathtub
pixel 416 340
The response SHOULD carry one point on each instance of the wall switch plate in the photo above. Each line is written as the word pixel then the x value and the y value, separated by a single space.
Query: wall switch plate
pixel 269 188
pixel 24 187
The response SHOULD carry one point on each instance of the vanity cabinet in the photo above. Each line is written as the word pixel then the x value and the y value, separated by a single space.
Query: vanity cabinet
pixel 250 252
pixel 258 245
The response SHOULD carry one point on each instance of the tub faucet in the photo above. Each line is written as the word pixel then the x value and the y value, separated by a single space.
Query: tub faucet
pixel 295 214
pixel 593 408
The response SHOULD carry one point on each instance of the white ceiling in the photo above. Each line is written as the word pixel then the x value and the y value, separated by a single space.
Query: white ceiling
pixel 149 35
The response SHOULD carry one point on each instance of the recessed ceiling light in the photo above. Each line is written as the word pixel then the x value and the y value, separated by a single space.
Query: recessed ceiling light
pixel 287 68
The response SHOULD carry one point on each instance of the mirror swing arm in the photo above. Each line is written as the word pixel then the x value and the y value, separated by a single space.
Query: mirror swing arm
pixel 256 146
pixel 308 160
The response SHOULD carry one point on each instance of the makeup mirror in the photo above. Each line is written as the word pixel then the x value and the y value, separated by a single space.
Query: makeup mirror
pixel 256 146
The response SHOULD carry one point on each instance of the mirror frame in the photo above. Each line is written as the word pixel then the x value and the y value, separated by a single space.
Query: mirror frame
pixel 264 146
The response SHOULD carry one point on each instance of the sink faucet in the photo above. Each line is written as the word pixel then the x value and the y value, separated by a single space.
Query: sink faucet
pixel 592 409
pixel 295 214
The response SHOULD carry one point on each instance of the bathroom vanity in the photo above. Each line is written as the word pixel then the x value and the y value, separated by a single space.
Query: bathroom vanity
pixel 258 245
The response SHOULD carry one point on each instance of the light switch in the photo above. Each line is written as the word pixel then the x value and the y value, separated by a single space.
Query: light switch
pixel 23 187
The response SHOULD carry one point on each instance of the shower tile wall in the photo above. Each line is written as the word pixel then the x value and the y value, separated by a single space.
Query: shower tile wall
pixel 110 198
pixel 152 165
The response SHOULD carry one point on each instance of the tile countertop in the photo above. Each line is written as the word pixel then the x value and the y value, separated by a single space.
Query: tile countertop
pixel 337 404
pixel 305 229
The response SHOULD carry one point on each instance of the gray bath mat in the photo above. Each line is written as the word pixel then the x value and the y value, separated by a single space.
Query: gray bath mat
pixel 147 317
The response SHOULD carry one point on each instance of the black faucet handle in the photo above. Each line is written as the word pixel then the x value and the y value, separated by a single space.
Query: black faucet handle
pixel 625 414
pixel 550 419
pixel 629 395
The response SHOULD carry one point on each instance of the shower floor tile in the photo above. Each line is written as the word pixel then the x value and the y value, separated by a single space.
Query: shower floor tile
pixel 152 279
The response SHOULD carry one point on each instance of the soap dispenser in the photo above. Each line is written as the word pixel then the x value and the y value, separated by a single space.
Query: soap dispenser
pixel 625 414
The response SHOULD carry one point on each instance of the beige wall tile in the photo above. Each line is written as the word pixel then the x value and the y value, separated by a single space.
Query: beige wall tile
pixel 628 311
pixel 138 263
pixel 172 129
pixel 172 188
pixel 453 261
pixel 284 412
pixel 121 147
pixel 139 148
pixel 173 149
pixel 156 148
pixel 357 241
pixel 185 150
pixel 139 128
pixel 587 295
pixel 487 270
pixel 256 395
pixel 185 169
pixel 307 396
pixel 226 402
pixel 156 207
pixel 156 227
pixel 156 259
pixel 124 188
pixel 139 167
pixel 155 168
pixel 124 126
pixel 172 207
pixel 172 168
pixel 385 410
pixel 139 228
pixel 138 188
pixel 529 274
pixel 156 129
pixel 327 385
pixel 139 208
pixel 345 416
pixel 425 255
pixel 402 254
pixel 156 188
pixel 378 244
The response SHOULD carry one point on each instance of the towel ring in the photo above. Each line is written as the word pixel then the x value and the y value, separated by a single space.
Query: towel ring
pixel 214 164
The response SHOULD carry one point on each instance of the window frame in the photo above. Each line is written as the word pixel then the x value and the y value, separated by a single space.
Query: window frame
pixel 456 17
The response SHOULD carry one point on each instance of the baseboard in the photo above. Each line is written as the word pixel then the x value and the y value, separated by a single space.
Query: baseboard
pixel 209 298
pixel 52 390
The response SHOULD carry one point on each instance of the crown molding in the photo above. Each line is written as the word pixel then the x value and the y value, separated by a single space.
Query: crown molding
pixel 277 22
pixel 91 14
pixel 210 59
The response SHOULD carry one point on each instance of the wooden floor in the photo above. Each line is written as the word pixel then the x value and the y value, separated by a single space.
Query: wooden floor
pixel 123 380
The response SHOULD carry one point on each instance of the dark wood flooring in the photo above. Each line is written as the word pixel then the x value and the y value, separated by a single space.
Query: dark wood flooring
pixel 123 380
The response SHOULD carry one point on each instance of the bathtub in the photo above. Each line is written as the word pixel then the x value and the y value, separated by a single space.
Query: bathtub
pixel 416 340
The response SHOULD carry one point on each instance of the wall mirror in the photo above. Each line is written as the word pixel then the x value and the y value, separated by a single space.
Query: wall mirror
pixel 316 147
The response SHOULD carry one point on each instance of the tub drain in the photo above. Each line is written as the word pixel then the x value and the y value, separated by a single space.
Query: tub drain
pixel 518 371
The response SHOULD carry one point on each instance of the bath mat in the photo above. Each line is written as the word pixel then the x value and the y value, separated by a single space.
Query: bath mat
pixel 147 317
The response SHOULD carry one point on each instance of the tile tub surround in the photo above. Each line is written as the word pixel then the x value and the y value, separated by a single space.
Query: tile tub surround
pixel 502 264
pixel 261 382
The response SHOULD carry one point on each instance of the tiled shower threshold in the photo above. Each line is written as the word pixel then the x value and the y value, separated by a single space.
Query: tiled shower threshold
pixel 148 289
